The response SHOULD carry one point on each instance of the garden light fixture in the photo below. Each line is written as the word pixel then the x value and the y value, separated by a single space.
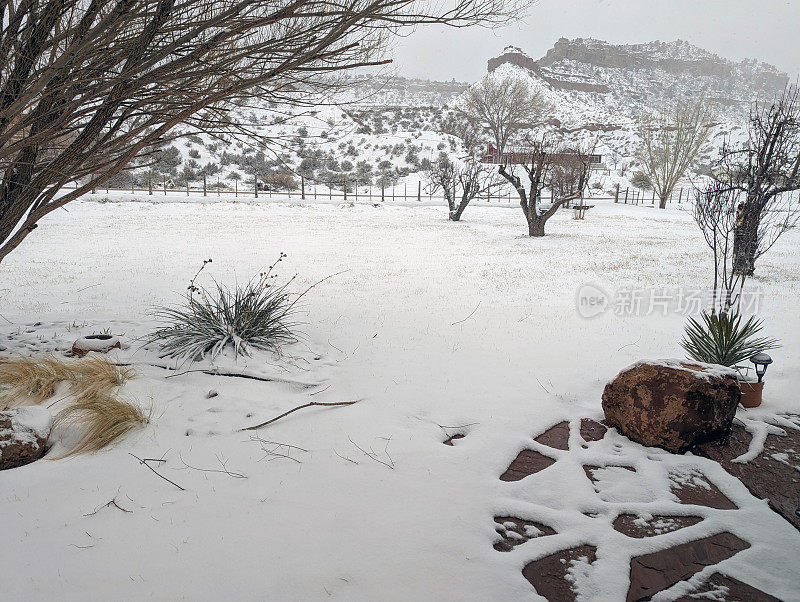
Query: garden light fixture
pixel 761 361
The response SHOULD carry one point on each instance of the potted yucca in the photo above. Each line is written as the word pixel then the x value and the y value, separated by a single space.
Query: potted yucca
pixel 724 338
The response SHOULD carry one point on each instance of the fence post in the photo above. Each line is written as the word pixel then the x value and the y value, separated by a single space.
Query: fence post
pixel 383 188
pixel 187 186
pixel 653 200
pixel 405 191
pixel 150 185
pixel 165 186
pixel 255 185
pixel 616 194
pixel 302 188
pixel 679 196
pixel 330 191
pixel 236 188
pixel 356 189
pixel 419 191
pixel 205 189
pixel 344 189
pixel 218 192
pixel 626 195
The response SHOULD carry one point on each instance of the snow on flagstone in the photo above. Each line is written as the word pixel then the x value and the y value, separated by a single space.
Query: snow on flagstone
pixel 440 329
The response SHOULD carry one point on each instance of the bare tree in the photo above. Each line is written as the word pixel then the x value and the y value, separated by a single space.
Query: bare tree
pixel 504 105
pixel 554 166
pixel 460 181
pixel 765 171
pixel 86 85
pixel 671 141
pixel 718 210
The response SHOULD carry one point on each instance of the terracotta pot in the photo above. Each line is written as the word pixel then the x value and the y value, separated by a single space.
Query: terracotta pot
pixel 751 393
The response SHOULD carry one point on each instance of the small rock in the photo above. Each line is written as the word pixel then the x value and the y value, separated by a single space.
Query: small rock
pixel 23 435
pixel 100 343
pixel 211 393
pixel 672 404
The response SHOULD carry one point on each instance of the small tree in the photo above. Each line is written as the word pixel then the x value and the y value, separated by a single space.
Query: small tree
pixel 562 170
pixel 504 105
pixel 764 171
pixel 671 141
pixel 718 210
pixel 466 179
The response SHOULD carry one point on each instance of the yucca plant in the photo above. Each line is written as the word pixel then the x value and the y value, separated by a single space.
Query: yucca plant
pixel 259 315
pixel 723 338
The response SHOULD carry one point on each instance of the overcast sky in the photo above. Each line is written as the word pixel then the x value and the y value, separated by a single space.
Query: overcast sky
pixel 767 30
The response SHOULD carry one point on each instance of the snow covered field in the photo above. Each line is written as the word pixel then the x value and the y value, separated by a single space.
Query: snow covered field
pixel 439 328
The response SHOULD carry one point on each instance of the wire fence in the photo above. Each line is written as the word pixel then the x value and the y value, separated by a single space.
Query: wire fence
pixel 413 192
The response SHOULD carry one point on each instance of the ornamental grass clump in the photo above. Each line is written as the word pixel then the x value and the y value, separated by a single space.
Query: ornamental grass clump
pixel 722 338
pixel 98 420
pixel 26 380
pixel 92 413
pixel 258 315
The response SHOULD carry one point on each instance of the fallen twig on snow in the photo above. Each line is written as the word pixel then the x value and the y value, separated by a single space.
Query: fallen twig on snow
pixel 300 407
pixel 469 316
pixel 145 461
pixel 372 454
pixel 109 504
pixel 224 470
pixel 277 445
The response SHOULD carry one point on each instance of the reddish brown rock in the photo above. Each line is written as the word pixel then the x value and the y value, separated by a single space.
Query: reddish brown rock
pixel 556 436
pixel 695 488
pixel 721 587
pixel 672 404
pixel 591 430
pixel 639 527
pixel 549 574
pixel 526 463
pixel 652 573
pixel 773 475
pixel 23 435
pixel 515 531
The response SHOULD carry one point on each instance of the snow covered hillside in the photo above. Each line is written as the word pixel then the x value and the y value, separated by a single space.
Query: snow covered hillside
pixel 383 129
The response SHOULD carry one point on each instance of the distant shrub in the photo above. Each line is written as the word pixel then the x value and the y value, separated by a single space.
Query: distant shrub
pixel 641 180
pixel 194 153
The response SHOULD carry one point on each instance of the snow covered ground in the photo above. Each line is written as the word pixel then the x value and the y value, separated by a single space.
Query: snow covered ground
pixel 438 328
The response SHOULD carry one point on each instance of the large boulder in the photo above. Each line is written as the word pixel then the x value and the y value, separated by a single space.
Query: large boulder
pixel 672 404
pixel 23 435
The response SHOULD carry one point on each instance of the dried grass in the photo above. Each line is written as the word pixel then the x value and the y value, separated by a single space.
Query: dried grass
pixel 101 420
pixel 25 380
pixel 95 412
pixel 29 379
pixel 98 377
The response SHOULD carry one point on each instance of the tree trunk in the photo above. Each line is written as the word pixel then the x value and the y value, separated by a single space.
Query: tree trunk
pixel 535 225
pixel 745 241
pixel 662 202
